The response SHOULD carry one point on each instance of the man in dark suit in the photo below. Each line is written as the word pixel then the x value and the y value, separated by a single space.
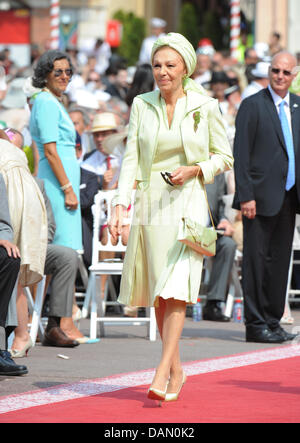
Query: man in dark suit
pixel 266 151
pixel 225 252
pixel 90 184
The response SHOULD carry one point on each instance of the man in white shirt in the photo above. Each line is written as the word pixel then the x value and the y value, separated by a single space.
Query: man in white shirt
pixel 104 125
pixel 102 52
pixel 261 79
pixel 108 166
pixel 203 71
pixel 158 27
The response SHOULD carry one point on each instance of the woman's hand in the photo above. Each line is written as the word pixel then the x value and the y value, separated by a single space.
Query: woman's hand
pixel 115 224
pixel 184 173
pixel 71 202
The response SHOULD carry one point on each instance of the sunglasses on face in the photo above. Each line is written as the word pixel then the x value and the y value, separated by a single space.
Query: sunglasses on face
pixel 167 178
pixel 277 71
pixel 59 72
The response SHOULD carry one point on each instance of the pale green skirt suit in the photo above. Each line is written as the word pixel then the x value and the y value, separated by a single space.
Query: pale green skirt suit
pixel 156 264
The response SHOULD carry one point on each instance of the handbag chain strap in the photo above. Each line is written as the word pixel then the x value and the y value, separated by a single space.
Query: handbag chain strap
pixel 205 193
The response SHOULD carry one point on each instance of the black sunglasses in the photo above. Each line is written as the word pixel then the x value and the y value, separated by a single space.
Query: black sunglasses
pixel 277 71
pixel 167 178
pixel 59 72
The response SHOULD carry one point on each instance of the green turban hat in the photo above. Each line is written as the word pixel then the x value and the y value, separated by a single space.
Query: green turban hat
pixel 186 50
pixel 181 45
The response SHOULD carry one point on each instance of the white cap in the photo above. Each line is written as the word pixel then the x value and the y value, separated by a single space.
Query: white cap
pixel 158 22
pixel 261 49
pixel 261 70
pixel 206 50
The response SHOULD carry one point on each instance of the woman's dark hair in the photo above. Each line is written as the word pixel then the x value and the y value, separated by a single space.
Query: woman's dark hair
pixel 45 65
pixel 143 81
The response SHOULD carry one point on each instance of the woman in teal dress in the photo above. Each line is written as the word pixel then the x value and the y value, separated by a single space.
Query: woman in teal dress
pixel 54 133
pixel 176 129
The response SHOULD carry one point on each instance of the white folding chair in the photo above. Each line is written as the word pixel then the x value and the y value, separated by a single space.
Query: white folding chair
pixel 35 308
pixel 83 275
pixel 235 288
pixel 108 267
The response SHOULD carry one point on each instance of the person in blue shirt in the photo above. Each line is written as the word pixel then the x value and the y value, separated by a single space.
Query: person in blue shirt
pixel 54 133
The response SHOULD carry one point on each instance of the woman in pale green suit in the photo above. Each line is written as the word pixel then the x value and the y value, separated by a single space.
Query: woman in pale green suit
pixel 176 129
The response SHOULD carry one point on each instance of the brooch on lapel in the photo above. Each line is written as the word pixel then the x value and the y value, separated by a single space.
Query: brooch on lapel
pixel 295 106
pixel 196 117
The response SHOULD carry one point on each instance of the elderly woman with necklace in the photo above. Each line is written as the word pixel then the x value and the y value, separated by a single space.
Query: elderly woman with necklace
pixel 176 129
pixel 55 136
pixel 54 133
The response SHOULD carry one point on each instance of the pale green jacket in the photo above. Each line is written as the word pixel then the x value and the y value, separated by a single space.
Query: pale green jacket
pixel 206 144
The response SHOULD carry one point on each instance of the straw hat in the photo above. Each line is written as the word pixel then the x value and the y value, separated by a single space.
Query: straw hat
pixel 104 121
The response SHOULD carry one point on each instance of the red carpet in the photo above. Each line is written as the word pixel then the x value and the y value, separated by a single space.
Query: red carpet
pixel 267 392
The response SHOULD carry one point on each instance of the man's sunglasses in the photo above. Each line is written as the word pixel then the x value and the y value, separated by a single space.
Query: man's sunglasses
pixel 277 71
pixel 167 178
pixel 59 72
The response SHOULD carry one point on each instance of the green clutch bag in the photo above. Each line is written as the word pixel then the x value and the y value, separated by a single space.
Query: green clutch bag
pixel 198 237
pixel 201 239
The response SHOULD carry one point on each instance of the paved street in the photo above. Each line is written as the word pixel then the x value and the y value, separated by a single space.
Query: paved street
pixel 126 349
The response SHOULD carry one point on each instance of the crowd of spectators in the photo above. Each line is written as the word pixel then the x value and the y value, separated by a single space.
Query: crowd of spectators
pixel 98 100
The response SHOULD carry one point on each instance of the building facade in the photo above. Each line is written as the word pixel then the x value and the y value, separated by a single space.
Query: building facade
pixel 82 21
pixel 282 16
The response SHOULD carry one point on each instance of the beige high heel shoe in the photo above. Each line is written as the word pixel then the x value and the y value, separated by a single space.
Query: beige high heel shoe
pixel 19 353
pixel 170 396
pixel 157 394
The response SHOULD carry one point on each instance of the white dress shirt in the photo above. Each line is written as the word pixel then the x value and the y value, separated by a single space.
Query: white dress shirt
pixel 251 89
pixel 277 100
pixel 97 163
pixel 146 49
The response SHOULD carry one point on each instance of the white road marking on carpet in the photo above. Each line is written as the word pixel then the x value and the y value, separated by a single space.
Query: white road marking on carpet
pixel 89 388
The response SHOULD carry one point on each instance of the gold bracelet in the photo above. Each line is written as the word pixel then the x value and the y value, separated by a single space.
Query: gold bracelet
pixel 64 187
